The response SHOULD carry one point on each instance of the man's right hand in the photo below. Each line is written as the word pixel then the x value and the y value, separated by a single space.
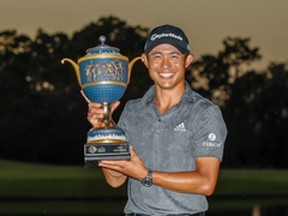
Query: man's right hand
pixel 96 112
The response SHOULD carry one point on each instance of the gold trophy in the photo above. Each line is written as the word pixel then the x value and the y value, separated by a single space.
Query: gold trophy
pixel 103 74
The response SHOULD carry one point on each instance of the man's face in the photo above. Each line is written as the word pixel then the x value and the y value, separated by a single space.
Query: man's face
pixel 166 65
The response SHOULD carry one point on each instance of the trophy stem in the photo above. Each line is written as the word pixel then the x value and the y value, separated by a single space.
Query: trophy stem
pixel 107 119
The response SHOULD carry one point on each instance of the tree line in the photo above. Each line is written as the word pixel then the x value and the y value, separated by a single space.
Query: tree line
pixel 43 116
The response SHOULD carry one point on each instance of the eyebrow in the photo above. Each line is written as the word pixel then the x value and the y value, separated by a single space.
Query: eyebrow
pixel 171 53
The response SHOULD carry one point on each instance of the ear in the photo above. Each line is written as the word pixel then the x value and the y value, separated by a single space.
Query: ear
pixel 145 59
pixel 189 60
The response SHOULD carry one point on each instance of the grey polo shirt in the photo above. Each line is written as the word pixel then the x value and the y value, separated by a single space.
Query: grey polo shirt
pixel 170 142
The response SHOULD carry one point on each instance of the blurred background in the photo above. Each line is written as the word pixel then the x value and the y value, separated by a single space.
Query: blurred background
pixel 241 64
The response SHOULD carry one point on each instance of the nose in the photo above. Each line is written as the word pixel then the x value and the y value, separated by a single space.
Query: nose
pixel 166 63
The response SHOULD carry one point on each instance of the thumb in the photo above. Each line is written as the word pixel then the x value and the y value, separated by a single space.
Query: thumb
pixel 132 152
pixel 115 105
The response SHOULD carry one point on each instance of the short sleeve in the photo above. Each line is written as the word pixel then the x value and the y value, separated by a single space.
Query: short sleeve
pixel 209 133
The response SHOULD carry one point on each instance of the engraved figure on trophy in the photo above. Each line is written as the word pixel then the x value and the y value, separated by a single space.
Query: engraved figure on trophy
pixel 108 71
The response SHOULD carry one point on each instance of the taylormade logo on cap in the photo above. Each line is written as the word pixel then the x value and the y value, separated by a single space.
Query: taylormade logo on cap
pixel 167 34
pixel 158 36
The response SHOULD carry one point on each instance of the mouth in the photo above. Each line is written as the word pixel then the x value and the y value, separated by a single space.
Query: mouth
pixel 166 75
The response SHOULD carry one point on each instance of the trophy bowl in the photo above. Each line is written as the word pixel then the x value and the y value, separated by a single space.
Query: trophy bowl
pixel 104 74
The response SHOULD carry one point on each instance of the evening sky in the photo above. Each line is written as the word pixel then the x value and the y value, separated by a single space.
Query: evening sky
pixel 206 22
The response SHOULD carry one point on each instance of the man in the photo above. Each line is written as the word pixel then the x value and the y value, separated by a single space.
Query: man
pixel 176 136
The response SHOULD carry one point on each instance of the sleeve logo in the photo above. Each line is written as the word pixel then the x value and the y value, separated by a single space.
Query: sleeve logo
pixel 212 137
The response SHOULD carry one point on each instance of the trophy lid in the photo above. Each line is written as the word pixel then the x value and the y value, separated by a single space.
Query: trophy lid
pixel 102 48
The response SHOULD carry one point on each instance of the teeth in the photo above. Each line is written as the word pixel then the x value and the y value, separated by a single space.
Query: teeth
pixel 166 75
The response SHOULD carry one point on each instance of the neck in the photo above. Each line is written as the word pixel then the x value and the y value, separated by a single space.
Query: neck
pixel 165 99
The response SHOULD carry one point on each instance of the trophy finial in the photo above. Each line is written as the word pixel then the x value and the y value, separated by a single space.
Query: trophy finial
pixel 102 39
pixel 102 48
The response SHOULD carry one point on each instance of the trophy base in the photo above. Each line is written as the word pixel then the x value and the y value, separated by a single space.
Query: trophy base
pixel 105 144
pixel 105 151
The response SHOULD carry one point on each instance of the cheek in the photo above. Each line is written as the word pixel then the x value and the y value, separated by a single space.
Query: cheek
pixel 153 65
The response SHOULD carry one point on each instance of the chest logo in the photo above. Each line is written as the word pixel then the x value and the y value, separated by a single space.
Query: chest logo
pixel 180 127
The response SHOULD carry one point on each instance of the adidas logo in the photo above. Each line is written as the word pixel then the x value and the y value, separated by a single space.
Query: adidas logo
pixel 180 127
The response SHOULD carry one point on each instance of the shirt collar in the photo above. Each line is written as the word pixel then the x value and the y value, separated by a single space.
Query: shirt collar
pixel 188 95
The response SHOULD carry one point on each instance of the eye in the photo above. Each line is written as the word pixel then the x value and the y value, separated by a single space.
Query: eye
pixel 156 55
pixel 175 55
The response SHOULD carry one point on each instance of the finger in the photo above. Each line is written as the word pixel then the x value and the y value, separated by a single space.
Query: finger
pixel 109 164
pixel 132 152
pixel 95 107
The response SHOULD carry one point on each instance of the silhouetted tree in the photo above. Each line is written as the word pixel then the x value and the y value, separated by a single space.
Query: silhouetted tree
pixel 273 116
pixel 213 76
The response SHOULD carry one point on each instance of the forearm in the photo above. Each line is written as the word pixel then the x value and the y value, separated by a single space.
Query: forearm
pixel 113 178
pixel 201 181
pixel 185 182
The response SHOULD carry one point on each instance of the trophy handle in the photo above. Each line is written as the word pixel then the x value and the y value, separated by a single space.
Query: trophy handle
pixel 76 69
pixel 131 65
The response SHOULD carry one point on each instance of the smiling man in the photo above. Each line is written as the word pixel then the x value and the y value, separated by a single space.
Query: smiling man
pixel 176 136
